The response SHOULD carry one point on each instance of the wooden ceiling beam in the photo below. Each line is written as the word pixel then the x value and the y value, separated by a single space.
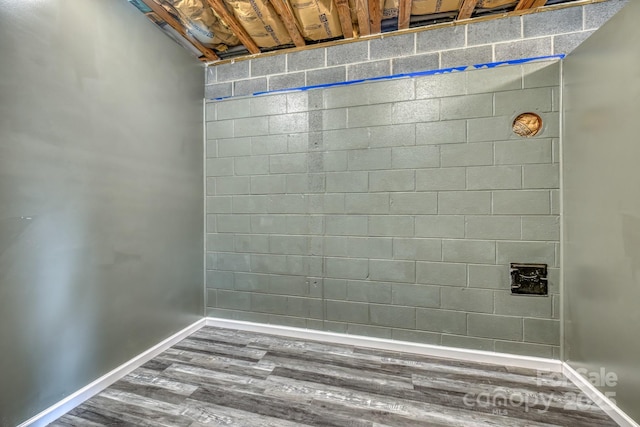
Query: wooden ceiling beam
pixel 466 10
pixel 404 14
pixel 221 10
pixel 362 12
pixel 209 54
pixel 375 17
pixel 530 4
pixel 344 12
pixel 289 22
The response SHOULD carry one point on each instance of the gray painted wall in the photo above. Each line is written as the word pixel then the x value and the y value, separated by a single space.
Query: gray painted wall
pixel 100 195
pixel 389 209
pixel 549 33
pixel 602 207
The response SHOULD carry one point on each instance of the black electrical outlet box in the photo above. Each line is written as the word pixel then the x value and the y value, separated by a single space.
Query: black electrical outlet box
pixel 529 279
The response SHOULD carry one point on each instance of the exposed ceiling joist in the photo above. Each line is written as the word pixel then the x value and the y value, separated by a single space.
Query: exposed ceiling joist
pixel 244 37
pixel 209 54
pixel 404 14
pixel 344 12
pixel 362 12
pixel 530 4
pixel 467 8
pixel 375 17
pixel 289 22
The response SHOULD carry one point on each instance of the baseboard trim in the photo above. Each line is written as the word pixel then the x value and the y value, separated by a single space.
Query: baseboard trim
pixel 598 397
pixel 479 356
pixel 62 407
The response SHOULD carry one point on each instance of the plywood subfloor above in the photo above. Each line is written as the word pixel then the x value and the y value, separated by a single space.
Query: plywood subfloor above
pixel 226 377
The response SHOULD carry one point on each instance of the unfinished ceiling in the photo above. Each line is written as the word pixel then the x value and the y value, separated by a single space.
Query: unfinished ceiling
pixel 215 30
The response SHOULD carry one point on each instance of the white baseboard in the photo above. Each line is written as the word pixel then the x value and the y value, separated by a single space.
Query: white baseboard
pixel 598 397
pixel 478 356
pixel 62 407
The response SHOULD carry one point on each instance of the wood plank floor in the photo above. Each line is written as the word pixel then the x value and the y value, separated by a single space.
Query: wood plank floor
pixel 221 377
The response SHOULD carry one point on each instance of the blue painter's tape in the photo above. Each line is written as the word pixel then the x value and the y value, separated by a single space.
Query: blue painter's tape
pixel 405 75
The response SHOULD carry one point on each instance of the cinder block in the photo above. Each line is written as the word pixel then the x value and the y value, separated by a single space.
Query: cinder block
pixel 541 228
pixel 249 86
pixel 232 262
pixel 440 226
pixel 441 85
pixel 469 56
pixel 518 101
pixel 232 109
pixel 268 224
pixel 287 81
pixel 488 129
pixel 367 70
pixel 567 43
pixel 273 184
pixel 369 247
pixel 347 53
pixel 211 75
pixel 269 264
pixel 466 107
pixel 414 203
pixel 298 143
pixel 218 90
pixel 595 15
pixel 220 129
pixel 297 102
pixel 233 71
pixel 219 167
pixel 250 204
pixel 303 224
pixel 542 331
pixel 541 74
pixel 441 39
pixel 558 21
pixel 417 249
pixel 392 271
pixel 334 119
pixel 219 204
pixel 395 180
pixel 369 331
pixel 467 299
pixel 369 115
pixel 471 251
pixel 268 65
pixel 496 79
pixel 326 203
pixel 326 75
pixel 392 316
pixel 251 126
pixel 306 59
pixel 477 154
pixel 219 279
pixel 415 157
pixel 452 322
pixel 211 224
pixel 521 202
pixel 346 139
pixel 390 90
pixel 288 163
pixel 233 224
pixel 523 152
pixel 473 343
pixel 441 179
pixel 289 123
pixel 416 295
pixel 392 136
pixel 232 185
pixel 415 63
pixel 379 158
pixel 493 227
pixel 248 243
pixel 347 182
pixel 391 47
pixel 445 132
pixel 494 178
pixel 305 307
pixel 525 349
pixel 254 165
pixel 527 252
pixel 391 225
pixel 542 176
pixel 288 245
pixel 442 274
pixel 287 204
pixel 528 48
pixel 423 110
pixel 492 326
pixel 346 311
pixel 555 202
pixel 231 147
pixel 210 111
pixel 233 300
pixel 376 292
pixel 495 30
pixel 518 305
pixel 266 105
pixel 464 202
pixel 363 203
pixel 345 96
pixel 416 336
pixel 347 268
pixel 271 144
pixel 335 289
pixel 346 225
pixel 489 277
pixel 264 303
pixel 335 246
pixel 218 242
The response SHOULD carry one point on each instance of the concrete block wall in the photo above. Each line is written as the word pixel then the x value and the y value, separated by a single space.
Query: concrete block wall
pixel 389 209
pixel 549 33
